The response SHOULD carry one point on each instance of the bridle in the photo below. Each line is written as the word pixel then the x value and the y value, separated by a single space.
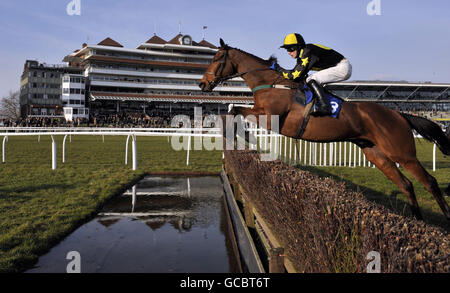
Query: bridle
pixel 219 78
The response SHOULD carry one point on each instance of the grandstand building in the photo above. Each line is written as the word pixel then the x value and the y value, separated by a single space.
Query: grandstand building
pixel 431 100
pixel 73 97
pixel 40 89
pixel 157 77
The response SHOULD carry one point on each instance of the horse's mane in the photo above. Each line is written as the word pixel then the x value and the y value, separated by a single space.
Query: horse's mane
pixel 269 61
pixel 265 62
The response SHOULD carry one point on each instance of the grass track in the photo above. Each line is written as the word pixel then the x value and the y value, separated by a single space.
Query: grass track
pixel 39 206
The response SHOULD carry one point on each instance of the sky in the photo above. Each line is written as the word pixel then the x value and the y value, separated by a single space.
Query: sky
pixel 408 40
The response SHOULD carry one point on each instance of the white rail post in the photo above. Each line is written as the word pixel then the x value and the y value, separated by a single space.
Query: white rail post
pixel 64 149
pixel 345 154
pixel 349 154
pixel 290 150
pixel 277 146
pixel 335 153
pixel 434 157
pixel 320 154
pixel 359 156
pixel 5 139
pixel 134 146
pixel 271 143
pixel 188 149
pixel 331 159
pixel 310 150
pixel 281 147
pixel 126 150
pixel 306 153
pixel 266 138
pixel 53 153
pixel 295 152
pixel 310 153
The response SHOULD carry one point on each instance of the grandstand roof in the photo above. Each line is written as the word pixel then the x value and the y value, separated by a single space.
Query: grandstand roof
pixel 392 91
pixel 156 40
pixel 377 83
pixel 109 42
pixel 175 40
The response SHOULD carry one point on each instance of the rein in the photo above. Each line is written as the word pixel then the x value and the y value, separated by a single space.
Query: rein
pixel 219 79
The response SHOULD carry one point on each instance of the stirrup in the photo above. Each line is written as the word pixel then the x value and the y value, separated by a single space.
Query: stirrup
pixel 319 111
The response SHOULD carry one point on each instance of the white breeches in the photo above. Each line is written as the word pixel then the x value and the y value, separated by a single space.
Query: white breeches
pixel 342 71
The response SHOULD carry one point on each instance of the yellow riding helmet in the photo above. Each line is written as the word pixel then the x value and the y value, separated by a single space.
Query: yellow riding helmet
pixel 293 40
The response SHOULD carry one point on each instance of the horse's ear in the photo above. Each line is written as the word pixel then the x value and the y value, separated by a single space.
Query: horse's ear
pixel 222 43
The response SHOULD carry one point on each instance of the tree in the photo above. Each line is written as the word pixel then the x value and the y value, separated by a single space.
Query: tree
pixel 10 106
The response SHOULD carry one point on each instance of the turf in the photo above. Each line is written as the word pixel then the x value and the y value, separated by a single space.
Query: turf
pixel 40 206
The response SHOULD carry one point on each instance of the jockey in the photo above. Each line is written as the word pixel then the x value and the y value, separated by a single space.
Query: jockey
pixel 330 65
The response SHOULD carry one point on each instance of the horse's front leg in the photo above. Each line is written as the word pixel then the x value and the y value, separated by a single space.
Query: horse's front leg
pixel 252 115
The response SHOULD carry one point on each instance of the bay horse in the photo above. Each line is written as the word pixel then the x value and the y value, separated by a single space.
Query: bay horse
pixel 384 135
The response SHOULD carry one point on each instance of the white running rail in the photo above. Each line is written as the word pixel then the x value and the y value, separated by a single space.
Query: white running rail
pixel 288 150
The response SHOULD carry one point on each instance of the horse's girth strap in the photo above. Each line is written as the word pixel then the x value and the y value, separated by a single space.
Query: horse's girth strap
pixel 306 114
pixel 267 86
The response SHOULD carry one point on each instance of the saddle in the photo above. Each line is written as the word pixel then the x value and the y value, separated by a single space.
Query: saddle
pixel 306 100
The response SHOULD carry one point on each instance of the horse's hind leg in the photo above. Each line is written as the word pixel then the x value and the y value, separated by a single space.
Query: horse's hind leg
pixel 390 170
pixel 430 183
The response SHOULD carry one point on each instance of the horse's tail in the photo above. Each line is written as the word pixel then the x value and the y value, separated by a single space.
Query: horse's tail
pixel 430 131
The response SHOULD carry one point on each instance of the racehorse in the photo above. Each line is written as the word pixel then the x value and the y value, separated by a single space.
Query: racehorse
pixel 384 135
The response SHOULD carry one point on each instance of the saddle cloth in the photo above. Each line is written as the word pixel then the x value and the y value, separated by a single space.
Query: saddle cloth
pixel 335 102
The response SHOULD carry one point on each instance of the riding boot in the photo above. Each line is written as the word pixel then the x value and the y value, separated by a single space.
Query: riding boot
pixel 321 105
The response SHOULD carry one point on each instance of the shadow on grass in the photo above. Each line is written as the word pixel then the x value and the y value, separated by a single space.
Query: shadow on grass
pixel 34 188
pixel 389 201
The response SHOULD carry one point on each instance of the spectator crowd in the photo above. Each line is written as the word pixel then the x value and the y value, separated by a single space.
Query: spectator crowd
pixel 122 120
